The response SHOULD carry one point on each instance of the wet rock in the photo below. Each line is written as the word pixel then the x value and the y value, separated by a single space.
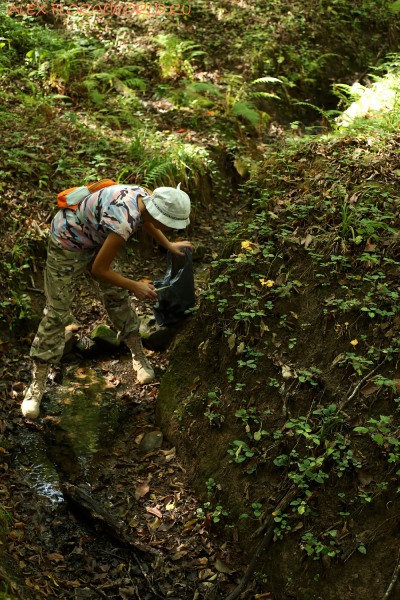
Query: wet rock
pixel 159 339
pixel 105 338
pixel 155 337
pixel 70 341
pixel 86 346
pixel 150 441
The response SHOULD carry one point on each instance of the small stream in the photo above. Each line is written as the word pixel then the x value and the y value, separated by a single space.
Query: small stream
pixel 81 416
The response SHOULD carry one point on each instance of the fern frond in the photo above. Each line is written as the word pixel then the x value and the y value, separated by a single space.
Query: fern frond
pixel 158 173
pixel 395 7
pixel 265 80
pixel 246 110
pixel 327 113
pixel 263 95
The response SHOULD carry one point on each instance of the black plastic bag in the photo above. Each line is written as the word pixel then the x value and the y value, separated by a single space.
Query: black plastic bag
pixel 176 293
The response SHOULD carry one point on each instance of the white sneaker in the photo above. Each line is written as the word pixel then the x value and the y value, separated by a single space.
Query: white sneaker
pixel 33 396
pixel 141 365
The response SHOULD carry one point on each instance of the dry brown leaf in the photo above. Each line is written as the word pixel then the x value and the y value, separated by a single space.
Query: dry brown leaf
pixel 167 525
pixel 369 388
pixel 231 341
pixel 364 476
pixel 142 490
pixel 154 511
pixel 223 567
pixel 154 525
pixel 55 557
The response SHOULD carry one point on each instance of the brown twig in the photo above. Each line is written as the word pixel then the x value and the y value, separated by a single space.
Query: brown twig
pixel 394 579
pixel 99 592
pixel 264 544
pixel 35 290
pixel 292 491
pixel 347 400
pixel 146 577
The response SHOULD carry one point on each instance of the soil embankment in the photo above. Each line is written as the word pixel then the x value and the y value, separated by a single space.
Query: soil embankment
pixel 286 377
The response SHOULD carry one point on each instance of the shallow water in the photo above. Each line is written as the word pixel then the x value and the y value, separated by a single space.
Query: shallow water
pixel 80 417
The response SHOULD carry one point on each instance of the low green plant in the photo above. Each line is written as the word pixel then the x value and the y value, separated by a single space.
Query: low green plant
pixel 316 548
pixel 239 451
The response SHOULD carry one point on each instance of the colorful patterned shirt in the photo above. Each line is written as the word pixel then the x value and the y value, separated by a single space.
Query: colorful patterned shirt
pixel 114 208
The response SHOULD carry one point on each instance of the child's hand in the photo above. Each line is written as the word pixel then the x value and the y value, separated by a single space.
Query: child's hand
pixel 143 290
pixel 177 247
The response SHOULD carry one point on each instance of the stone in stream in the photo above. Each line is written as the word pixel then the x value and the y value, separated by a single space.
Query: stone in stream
pixel 105 338
pixel 150 441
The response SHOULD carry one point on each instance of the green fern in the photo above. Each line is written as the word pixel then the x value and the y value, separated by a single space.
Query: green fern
pixel 246 110
pixel 266 80
pixel 159 174
pixel 395 7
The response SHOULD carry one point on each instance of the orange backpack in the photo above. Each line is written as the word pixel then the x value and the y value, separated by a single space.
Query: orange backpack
pixel 73 196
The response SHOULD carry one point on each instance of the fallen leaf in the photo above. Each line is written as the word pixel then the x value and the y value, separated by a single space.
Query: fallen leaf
pixel 223 567
pixel 364 476
pixel 205 573
pixel 154 525
pixel 133 523
pixel 55 557
pixel 154 511
pixel 167 525
pixel 240 348
pixel 127 593
pixel 286 372
pixel 231 341
pixel 179 555
pixel 142 490
pixel 369 388
pixel 307 241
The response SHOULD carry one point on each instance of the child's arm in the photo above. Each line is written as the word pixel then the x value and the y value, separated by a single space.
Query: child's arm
pixel 101 269
pixel 158 235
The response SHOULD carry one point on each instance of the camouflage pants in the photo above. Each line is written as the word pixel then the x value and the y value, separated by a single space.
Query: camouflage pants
pixel 63 269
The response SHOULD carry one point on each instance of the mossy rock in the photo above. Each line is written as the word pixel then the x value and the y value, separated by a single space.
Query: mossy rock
pixel 105 338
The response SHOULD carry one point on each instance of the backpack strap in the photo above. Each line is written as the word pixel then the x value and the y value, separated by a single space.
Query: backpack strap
pixel 62 200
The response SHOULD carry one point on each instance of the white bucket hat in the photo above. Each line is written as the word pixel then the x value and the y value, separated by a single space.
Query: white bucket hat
pixel 170 206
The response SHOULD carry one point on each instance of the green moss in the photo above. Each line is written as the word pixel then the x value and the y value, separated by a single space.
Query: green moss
pixel 5 444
